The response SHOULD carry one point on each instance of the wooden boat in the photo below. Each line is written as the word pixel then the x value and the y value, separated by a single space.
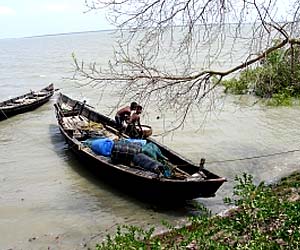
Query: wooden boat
pixel 26 102
pixel 76 120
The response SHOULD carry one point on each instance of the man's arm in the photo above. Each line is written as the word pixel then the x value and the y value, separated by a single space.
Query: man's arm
pixel 139 124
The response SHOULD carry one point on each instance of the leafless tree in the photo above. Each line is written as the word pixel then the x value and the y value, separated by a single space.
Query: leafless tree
pixel 168 50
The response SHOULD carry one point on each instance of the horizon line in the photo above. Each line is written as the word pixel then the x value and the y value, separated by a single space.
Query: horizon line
pixel 80 32
pixel 58 34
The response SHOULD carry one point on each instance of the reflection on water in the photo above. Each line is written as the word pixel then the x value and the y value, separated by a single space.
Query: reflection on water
pixel 48 198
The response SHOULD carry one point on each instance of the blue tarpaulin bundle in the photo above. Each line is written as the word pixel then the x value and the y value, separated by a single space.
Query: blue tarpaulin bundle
pixel 102 146
pixel 141 141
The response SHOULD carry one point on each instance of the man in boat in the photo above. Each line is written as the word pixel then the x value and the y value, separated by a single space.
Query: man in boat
pixel 134 122
pixel 124 115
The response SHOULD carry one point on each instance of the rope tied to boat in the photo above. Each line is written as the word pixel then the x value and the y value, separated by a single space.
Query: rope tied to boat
pixel 255 157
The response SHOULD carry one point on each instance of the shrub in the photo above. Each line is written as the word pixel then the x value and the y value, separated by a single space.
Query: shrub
pixel 277 76
pixel 266 218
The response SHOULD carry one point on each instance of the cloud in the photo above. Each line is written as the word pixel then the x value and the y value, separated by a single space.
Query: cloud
pixel 7 11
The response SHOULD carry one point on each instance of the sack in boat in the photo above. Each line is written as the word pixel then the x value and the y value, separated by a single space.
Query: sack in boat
pixel 102 146
pixel 153 151
pixel 147 163
pixel 123 151
pixel 88 142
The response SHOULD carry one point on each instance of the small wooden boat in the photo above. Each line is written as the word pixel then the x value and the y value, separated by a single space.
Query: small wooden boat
pixel 78 122
pixel 26 102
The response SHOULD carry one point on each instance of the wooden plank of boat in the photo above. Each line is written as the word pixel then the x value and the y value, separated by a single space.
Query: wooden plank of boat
pixel 72 107
pixel 189 181
pixel 25 103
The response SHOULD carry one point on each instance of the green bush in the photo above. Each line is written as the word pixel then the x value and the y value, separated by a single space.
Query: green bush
pixel 274 78
pixel 265 217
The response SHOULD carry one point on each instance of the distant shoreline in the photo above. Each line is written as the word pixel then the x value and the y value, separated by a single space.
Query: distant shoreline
pixel 69 33
pixel 59 34
pixel 80 32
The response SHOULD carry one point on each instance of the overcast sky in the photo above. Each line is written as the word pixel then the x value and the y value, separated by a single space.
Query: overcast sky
pixel 22 18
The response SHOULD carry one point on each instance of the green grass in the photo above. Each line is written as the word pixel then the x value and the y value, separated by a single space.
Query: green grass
pixel 266 217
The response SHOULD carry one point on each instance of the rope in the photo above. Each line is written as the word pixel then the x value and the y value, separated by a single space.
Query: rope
pixel 255 157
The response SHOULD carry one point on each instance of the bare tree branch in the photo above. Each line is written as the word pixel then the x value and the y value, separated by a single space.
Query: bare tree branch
pixel 186 32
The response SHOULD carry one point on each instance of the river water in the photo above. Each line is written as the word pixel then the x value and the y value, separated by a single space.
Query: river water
pixel 48 200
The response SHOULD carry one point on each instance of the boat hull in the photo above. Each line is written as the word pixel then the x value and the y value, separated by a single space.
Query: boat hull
pixel 153 188
pixel 7 112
